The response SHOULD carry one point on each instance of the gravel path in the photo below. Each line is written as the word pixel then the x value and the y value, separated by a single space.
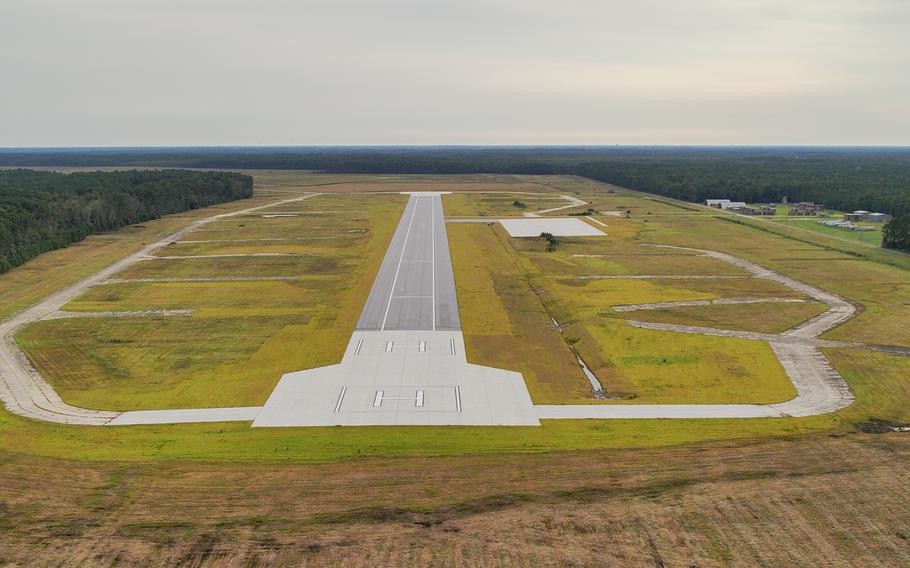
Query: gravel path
pixel 717 302
pixel 573 202
pixel 200 279
pixel 233 255
pixel 137 314
pixel 660 277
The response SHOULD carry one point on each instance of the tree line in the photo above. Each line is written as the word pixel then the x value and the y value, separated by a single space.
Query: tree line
pixel 896 233
pixel 876 179
pixel 42 211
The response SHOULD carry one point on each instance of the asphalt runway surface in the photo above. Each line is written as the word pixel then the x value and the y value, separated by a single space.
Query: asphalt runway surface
pixel 415 287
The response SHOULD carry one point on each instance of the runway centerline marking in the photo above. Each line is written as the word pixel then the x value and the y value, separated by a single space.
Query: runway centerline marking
pixel 404 247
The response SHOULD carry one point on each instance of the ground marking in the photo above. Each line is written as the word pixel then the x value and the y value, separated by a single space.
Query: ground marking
pixel 404 247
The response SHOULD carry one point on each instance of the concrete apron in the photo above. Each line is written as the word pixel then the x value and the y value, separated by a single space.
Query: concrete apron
pixel 401 378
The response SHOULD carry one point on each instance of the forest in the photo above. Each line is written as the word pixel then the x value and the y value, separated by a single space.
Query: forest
pixel 896 233
pixel 42 211
pixel 875 179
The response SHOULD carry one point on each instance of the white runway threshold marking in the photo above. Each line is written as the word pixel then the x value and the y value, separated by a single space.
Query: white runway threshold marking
pixel 405 363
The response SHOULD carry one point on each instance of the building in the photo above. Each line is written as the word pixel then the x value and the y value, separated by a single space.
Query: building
pixel 863 215
pixel 760 210
pixel 806 209
pixel 738 207
pixel 878 217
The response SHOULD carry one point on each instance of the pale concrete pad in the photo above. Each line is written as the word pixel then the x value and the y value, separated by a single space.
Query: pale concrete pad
pixel 186 415
pixel 558 226
pixel 401 378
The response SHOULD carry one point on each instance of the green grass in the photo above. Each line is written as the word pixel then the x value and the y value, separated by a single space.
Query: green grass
pixel 664 367
pixel 876 378
pixel 240 338
pixel 762 318
pixel 150 363
pixel 485 204
pixel 138 361
pixel 879 287
pixel 491 269
pixel 871 238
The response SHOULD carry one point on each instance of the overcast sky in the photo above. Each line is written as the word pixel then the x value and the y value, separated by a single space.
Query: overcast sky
pixel 300 72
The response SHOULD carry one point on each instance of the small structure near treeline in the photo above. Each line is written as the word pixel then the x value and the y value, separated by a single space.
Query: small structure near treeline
pixel 861 215
pixel 805 209
pixel 739 207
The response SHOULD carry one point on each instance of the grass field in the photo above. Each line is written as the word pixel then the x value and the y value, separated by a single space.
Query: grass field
pixel 486 204
pixel 794 502
pixel 506 298
pixel 241 336
pixel 881 289
pixel 51 271
pixel 762 318
pixel 871 238
pixel 800 491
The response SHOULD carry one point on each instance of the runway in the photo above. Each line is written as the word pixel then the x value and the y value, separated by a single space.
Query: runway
pixel 415 287
pixel 405 363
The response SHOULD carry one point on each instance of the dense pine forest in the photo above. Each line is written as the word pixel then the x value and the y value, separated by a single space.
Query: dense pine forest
pixel 42 211
pixel 876 179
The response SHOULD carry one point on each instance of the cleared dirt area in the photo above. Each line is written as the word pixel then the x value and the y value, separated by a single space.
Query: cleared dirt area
pixel 816 501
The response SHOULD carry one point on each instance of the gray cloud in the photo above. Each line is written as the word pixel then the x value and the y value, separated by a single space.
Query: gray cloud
pixel 169 72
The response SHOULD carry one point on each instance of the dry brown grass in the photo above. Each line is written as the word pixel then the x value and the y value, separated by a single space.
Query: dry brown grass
pixel 816 501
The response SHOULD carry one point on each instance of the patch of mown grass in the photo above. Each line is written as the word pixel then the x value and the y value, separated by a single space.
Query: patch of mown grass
pixel 493 205
pixel 149 363
pixel 239 442
pixel 235 267
pixel 241 297
pixel 664 367
pixel 763 318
